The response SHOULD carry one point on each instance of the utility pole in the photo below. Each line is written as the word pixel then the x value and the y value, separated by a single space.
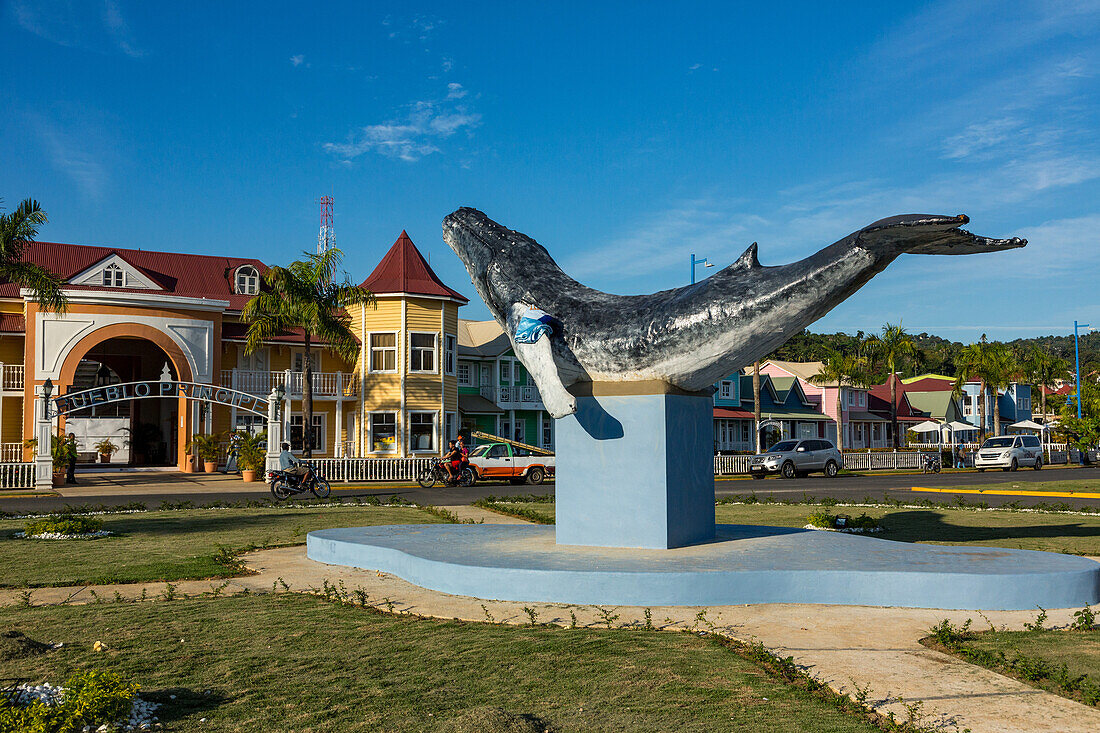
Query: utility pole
pixel 326 237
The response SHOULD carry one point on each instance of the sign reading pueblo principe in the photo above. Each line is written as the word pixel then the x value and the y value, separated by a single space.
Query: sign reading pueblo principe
pixel 151 389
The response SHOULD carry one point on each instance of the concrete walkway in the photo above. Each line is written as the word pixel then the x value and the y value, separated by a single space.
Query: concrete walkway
pixel 844 646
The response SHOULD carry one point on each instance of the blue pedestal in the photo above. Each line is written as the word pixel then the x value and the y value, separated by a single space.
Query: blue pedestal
pixel 636 471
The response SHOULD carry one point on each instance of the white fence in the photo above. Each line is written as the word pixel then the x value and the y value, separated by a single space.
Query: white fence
pixel 370 469
pixel 16 475
pixel 325 384
pixel 11 452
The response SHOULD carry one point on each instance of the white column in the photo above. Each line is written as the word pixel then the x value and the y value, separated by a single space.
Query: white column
pixel 402 431
pixel 43 431
pixel 274 431
pixel 338 448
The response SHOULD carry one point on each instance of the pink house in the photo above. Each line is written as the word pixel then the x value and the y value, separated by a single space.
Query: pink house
pixel 862 428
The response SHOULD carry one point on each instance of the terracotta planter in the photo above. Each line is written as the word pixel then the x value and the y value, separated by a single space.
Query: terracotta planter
pixel 248 475
pixel 59 479
pixel 210 466
pixel 104 457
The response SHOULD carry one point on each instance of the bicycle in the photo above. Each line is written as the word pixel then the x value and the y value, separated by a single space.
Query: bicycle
pixel 438 473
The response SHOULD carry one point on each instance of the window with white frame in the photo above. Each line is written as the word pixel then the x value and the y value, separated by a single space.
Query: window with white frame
pixel 505 371
pixel 298 364
pixel 862 398
pixel 520 430
pixel 422 432
pixel 725 389
pixel 547 433
pixel 450 426
pixel 383 432
pixel 113 277
pixel 248 280
pixel 449 351
pixel 383 352
pixel 251 424
pixel 486 375
pixel 505 427
pixel 422 352
pixel 464 374
pixel 318 439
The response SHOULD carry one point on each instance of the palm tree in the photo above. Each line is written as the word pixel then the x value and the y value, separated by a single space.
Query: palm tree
pixel 973 363
pixel 303 295
pixel 841 370
pixel 890 348
pixel 17 229
pixel 1001 369
pixel 1043 369
pixel 756 400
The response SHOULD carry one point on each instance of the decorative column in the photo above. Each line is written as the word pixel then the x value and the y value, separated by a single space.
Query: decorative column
pixel 43 431
pixel 274 429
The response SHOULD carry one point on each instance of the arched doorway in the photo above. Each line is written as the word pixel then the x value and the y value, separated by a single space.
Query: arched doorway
pixel 145 432
pixel 156 430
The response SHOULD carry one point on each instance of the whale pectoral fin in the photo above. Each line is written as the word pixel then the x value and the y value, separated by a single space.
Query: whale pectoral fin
pixel 539 360
pixel 928 234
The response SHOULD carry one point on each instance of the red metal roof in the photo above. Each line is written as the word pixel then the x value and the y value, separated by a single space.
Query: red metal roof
pixel 882 393
pixel 929 384
pixel 186 275
pixel 729 412
pixel 404 270
pixel 12 323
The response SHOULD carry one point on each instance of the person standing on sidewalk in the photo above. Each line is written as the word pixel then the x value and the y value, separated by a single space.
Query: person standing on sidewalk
pixel 70 466
pixel 960 457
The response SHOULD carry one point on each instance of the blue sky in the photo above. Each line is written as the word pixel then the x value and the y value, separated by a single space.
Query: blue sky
pixel 622 136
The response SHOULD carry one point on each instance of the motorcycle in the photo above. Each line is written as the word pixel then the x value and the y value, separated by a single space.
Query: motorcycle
pixel 285 485
pixel 931 463
pixel 438 473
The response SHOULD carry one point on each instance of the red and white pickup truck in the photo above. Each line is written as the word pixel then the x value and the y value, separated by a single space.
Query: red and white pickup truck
pixel 512 462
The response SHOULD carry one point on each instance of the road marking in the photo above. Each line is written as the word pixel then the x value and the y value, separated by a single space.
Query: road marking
pixel 1021 492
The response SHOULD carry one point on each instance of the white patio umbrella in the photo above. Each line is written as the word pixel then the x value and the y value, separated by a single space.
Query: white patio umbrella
pixel 956 426
pixel 1032 425
pixel 928 426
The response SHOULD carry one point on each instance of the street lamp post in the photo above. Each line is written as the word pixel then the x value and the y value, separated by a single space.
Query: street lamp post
pixel 695 262
pixel 1077 363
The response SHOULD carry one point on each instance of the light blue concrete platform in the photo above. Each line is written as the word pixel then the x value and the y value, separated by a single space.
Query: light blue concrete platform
pixel 744 564
pixel 659 448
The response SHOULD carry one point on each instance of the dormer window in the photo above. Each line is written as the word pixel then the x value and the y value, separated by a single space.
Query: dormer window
pixel 113 277
pixel 248 280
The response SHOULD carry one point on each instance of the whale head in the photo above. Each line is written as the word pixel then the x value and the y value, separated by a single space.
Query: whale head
pixel 493 254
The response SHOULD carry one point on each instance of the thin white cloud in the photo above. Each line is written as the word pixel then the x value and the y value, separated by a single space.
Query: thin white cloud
pixel 416 134
pixel 455 91
pixel 979 136
pixel 72 155
pixel 91 26
pixel 297 59
pixel 694 67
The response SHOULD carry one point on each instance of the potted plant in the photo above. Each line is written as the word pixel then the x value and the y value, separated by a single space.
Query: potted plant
pixel 206 448
pixel 63 451
pixel 106 449
pixel 251 453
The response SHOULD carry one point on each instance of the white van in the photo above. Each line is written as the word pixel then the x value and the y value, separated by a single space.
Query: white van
pixel 1009 452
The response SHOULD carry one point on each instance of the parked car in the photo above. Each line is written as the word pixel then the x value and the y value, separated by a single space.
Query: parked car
pixel 1009 452
pixel 512 462
pixel 791 458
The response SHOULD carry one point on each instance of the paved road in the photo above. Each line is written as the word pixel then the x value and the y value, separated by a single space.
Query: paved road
pixel 155 488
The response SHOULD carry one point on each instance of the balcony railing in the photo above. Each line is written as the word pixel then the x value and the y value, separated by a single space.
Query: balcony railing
pixel 11 377
pixel 325 384
pixel 526 394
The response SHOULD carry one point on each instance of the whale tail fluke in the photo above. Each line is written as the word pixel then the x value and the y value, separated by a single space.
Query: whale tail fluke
pixel 929 234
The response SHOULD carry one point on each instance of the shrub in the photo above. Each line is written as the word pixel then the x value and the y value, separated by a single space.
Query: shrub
pixel 949 635
pixel 65 524
pixel 91 698
pixel 1084 619
pixel 822 518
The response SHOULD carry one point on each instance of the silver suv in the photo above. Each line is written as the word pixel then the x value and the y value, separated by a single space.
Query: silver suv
pixel 791 458
pixel 1009 452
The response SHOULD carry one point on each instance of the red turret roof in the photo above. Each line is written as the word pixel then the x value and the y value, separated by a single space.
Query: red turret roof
pixel 404 270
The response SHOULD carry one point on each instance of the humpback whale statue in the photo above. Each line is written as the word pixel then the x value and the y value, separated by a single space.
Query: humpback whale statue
pixel 689 337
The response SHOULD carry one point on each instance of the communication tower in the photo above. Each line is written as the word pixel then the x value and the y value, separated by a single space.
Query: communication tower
pixel 326 237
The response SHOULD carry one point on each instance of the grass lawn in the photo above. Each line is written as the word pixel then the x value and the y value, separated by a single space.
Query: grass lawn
pixel 1078 534
pixel 1057 661
pixel 174 545
pixel 297 663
